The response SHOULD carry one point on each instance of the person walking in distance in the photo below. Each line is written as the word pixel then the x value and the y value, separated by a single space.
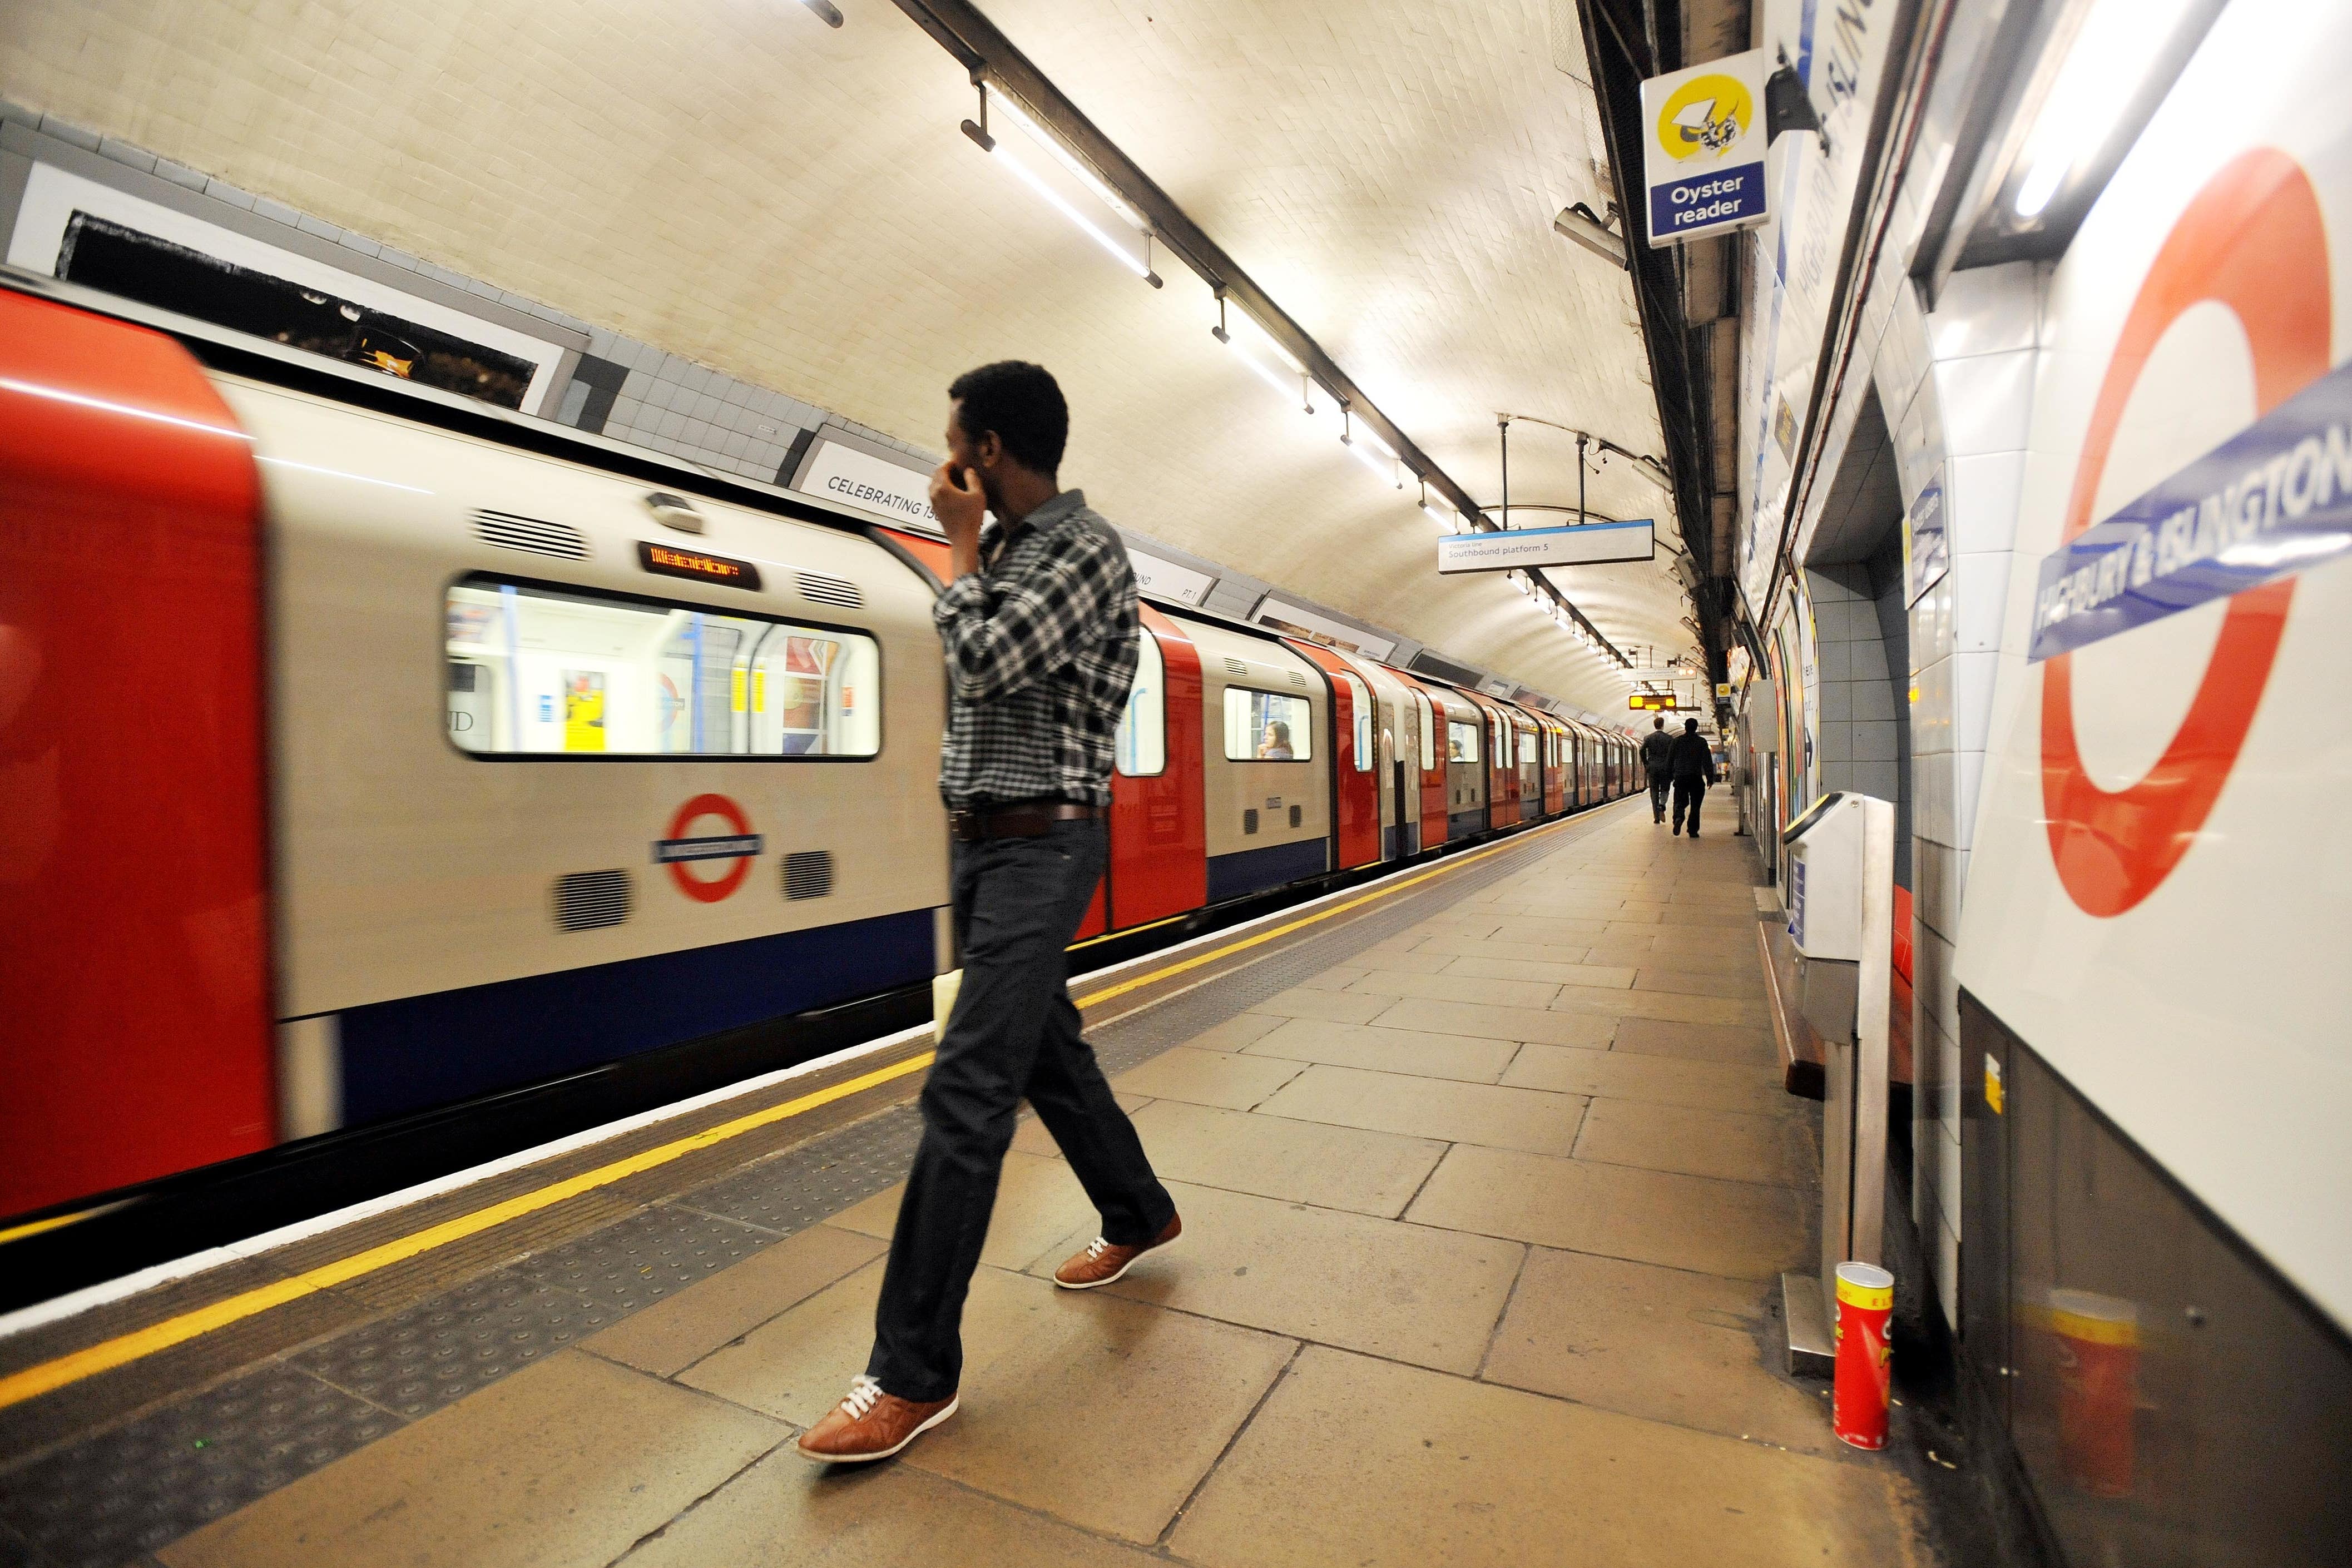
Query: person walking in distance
pixel 1691 762
pixel 1655 747
pixel 1039 626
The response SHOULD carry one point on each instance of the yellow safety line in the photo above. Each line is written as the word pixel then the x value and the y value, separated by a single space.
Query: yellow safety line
pixel 104 1356
pixel 34 1226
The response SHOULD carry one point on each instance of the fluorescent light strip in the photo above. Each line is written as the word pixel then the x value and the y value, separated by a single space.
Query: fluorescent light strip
pixel 1264 374
pixel 1387 474
pixel 1029 176
pixel 1093 182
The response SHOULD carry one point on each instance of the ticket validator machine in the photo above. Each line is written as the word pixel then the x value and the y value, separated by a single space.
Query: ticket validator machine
pixel 1841 902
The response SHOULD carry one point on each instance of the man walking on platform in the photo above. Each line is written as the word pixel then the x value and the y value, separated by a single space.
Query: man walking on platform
pixel 1039 625
pixel 1656 747
pixel 1692 763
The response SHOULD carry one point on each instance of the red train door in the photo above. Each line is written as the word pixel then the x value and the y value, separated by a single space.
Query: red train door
pixel 134 918
pixel 1158 822
pixel 1432 725
pixel 1356 787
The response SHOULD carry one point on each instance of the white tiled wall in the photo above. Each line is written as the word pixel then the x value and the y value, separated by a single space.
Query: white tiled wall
pixel 1957 386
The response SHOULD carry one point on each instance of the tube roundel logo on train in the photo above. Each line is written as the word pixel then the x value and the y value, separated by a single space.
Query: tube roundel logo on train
pixel 2237 523
pixel 679 850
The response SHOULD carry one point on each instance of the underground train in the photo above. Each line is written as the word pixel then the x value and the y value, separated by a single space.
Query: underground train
pixel 371 757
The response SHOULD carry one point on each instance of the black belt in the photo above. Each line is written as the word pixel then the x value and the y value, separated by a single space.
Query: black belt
pixel 1021 820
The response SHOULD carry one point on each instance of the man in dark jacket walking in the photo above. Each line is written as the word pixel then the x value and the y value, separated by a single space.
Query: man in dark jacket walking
pixel 1656 747
pixel 1692 763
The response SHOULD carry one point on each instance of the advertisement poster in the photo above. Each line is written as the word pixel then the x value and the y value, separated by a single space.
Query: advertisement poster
pixel 583 710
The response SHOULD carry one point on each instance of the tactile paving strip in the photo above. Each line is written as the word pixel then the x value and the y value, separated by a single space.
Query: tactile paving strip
pixel 143 1485
pixel 439 1351
pixel 109 1498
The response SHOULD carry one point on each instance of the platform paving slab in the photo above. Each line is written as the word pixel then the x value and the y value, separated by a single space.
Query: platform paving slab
pixel 667 1337
pixel 1667 1005
pixel 786 1510
pixel 1497 947
pixel 1339 979
pixel 1737 1229
pixel 1525 1119
pixel 1452 986
pixel 1541 971
pixel 1701 983
pixel 1662 1344
pixel 1487 1020
pixel 1405 1291
pixel 1696 1041
pixel 1230 1079
pixel 1237 1031
pixel 1272 1156
pixel 1728 1145
pixel 1414 1052
pixel 569 1461
pixel 1628 1074
pixel 1405 1466
pixel 1306 1002
pixel 1097 1410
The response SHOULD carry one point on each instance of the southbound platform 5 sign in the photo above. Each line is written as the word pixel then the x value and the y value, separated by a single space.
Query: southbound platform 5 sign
pixel 1703 149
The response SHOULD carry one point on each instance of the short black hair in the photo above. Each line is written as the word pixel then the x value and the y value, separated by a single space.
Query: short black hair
pixel 1659 722
pixel 1021 403
pixel 1690 725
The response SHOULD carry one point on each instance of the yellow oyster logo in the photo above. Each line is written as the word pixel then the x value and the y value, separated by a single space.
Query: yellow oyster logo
pixel 1706 114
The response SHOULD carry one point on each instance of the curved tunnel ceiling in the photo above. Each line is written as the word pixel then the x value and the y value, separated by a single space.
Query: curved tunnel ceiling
pixel 794 204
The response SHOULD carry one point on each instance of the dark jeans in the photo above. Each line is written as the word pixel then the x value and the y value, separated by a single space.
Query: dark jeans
pixel 1013 1033
pixel 1690 793
pixel 1660 782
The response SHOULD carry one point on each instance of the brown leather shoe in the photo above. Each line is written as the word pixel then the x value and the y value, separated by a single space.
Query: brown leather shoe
pixel 871 1425
pixel 1101 1263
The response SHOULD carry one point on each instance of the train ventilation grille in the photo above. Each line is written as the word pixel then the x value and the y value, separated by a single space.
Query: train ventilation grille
pixel 509 530
pixel 1299 680
pixel 808 873
pixel 834 590
pixel 592 900
pixel 1235 667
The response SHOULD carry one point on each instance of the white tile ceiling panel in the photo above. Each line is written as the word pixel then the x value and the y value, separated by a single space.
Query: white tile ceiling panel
pixel 737 183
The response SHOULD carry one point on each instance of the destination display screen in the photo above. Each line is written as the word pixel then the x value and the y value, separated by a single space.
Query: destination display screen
pixel 668 560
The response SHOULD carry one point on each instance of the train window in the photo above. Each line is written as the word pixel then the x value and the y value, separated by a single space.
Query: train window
pixel 1500 733
pixel 1359 703
pixel 1142 749
pixel 1461 741
pixel 1428 731
pixel 547 671
pixel 1267 726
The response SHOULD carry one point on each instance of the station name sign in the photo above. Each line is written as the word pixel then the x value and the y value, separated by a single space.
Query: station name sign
pixel 1578 544
pixel 1703 137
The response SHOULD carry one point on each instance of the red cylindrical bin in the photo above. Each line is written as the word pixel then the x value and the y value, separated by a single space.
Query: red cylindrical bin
pixel 1865 1300
pixel 2098 1386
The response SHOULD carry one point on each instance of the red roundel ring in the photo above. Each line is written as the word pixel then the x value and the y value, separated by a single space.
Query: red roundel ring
pixel 689 884
pixel 2253 241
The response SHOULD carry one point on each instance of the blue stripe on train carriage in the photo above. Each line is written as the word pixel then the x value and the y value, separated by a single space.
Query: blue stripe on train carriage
pixel 422 1051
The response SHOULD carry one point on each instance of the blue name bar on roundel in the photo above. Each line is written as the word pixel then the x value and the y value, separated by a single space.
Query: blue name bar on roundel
pixel 1702 205
pixel 738 846
pixel 2272 500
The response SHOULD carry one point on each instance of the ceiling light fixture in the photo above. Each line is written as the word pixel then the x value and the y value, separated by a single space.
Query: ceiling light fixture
pixel 825 9
pixel 1296 384
pixel 1362 445
pixel 981 138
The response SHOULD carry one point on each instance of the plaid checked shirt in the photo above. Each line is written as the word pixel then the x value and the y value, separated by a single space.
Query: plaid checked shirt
pixel 1041 652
